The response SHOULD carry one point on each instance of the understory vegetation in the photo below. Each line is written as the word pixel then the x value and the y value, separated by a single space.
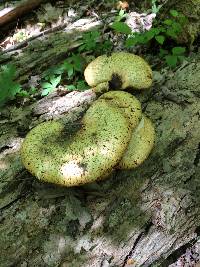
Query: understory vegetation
pixel 161 39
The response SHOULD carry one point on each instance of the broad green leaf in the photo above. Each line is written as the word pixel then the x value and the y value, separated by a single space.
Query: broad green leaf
pixel 78 62
pixel 121 12
pixel 171 33
pixel 55 81
pixel 131 42
pixel 150 34
pixel 174 13
pixel 70 87
pixel 8 87
pixel 168 22
pixel 163 52
pixel 176 27
pixel 171 60
pixel 121 27
pixel 46 85
pixel 160 39
pixel 70 72
pixel 178 50
pixel 81 85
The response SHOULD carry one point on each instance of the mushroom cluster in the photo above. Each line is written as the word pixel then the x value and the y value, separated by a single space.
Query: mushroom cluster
pixel 113 133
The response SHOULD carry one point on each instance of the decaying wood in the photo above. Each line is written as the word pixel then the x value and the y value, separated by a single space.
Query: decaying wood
pixel 48 49
pixel 19 11
pixel 138 217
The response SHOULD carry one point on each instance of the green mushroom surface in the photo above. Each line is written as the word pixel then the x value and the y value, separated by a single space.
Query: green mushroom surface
pixel 119 71
pixel 140 145
pixel 112 133
pixel 53 155
pixel 127 103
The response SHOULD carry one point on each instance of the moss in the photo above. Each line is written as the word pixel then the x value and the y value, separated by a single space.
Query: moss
pixel 190 9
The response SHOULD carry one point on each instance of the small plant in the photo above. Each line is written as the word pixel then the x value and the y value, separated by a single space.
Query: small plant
pixel 67 72
pixel 93 41
pixel 174 57
pixel 122 14
pixel 89 40
pixel 169 29
pixel 70 71
pixel 155 9
pixel 8 87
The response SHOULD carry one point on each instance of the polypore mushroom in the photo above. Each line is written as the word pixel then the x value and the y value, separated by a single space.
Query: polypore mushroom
pixel 110 134
pixel 119 71
pixel 52 155
pixel 140 145
pixel 127 103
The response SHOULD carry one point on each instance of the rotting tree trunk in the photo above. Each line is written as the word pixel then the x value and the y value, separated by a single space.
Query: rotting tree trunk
pixel 146 214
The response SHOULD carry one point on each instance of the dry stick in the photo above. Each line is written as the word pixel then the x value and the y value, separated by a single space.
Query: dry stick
pixel 19 11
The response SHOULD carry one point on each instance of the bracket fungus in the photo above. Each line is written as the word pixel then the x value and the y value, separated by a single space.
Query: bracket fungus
pixel 112 133
pixel 118 71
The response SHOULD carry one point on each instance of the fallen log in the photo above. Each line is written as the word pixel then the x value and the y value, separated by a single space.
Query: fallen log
pixel 19 11
pixel 134 218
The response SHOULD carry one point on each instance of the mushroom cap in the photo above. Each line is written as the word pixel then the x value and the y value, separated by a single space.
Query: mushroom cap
pixel 127 103
pixel 140 145
pixel 122 70
pixel 51 154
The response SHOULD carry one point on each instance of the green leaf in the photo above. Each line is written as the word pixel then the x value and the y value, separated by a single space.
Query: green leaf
pixel 181 58
pixel 55 81
pixel 23 93
pixel 163 52
pixel 174 13
pixel 171 33
pixel 70 72
pixel 178 50
pixel 121 15
pixel 45 92
pixel 78 62
pixel 33 90
pixel 150 34
pixel 131 42
pixel 70 87
pixel 160 39
pixel 176 27
pixel 168 22
pixel 121 12
pixel 52 71
pixel 46 85
pixel 81 85
pixel 121 27
pixel 8 87
pixel 171 60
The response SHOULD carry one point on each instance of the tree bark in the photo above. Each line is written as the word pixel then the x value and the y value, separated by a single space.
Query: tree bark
pixel 134 218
